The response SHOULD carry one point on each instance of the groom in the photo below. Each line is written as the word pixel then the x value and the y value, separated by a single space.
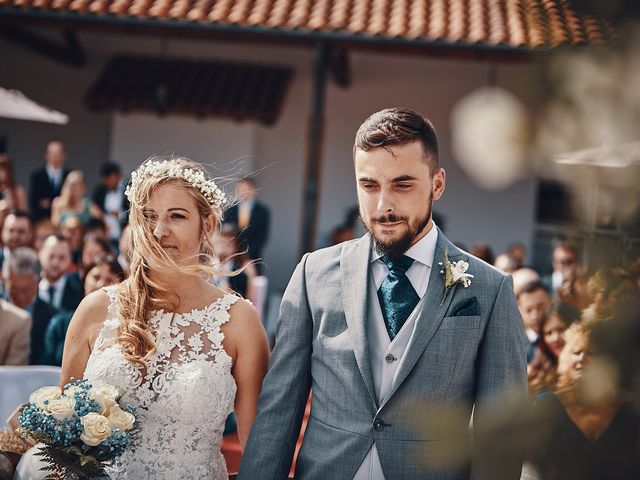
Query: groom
pixel 394 360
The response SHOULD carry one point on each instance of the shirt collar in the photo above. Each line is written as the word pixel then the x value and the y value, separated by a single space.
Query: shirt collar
pixel 422 251
pixel 45 284
pixel 53 172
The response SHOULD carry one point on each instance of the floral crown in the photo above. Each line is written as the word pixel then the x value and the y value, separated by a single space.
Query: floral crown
pixel 172 168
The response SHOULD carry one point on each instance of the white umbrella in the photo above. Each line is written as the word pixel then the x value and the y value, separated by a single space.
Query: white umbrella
pixel 14 104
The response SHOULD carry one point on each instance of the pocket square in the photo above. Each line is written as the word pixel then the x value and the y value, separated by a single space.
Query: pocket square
pixel 465 308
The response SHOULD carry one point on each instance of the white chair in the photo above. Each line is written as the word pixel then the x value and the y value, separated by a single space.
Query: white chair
pixel 17 383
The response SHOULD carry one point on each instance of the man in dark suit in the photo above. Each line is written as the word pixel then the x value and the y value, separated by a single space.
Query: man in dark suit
pixel 63 291
pixel 251 217
pixel 110 198
pixel 21 274
pixel 46 182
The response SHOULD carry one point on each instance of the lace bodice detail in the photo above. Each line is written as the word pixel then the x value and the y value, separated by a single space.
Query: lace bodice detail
pixel 184 393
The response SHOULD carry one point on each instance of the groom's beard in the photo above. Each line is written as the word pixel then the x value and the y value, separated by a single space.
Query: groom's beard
pixel 395 248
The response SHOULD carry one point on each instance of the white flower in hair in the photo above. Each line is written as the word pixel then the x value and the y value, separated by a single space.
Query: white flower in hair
pixel 172 168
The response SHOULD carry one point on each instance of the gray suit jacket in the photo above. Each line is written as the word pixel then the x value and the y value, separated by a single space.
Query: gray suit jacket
pixel 451 361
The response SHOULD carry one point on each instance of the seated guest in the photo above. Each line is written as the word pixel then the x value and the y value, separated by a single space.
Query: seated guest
pixel 533 302
pixel 73 201
pixel 505 263
pixel 15 325
pixel 94 248
pixel 483 252
pixel 16 232
pixel 73 230
pixel 106 271
pixel 588 428
pixel 522 277
pixel 12 196
pixel 542 369
pixel 565 263
pixel 41 230
pixel 21 274
pixel 63 291
pixel 518 252
pixel 97 227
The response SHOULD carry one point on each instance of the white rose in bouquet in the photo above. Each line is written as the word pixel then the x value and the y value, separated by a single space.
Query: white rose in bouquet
pixel 106 396
pixel 72 390
pixel 62 408
pixel 45 394
pixel 107 391
pixel 95 429
pixel 118 418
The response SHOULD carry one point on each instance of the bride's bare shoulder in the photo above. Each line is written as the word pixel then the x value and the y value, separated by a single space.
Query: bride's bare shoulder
pixel 94 307
pixel 90 315
pixel 244 325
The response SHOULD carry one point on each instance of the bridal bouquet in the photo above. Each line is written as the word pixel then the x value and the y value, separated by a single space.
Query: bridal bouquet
pixel 83 427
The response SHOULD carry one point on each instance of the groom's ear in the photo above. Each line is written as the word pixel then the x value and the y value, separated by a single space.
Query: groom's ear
pixel 438 183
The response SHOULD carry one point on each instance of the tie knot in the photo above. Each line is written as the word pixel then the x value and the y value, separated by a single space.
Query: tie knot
pixel 398 265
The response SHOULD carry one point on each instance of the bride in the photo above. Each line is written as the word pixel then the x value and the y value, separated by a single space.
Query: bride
pixel 184 351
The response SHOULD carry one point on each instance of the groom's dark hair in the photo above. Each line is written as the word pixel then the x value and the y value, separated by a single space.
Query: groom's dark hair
pixel 397 126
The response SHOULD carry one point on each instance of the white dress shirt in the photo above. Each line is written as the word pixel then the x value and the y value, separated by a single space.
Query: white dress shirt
pixel 386 355
pixel 55 175
pixel 43 291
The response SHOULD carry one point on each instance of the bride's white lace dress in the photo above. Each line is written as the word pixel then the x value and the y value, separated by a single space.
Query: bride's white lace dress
pixel 184 394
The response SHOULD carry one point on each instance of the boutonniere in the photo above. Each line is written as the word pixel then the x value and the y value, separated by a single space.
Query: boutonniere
pixel 454 273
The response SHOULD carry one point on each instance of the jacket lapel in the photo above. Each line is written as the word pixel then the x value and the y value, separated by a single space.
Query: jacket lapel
pixel 354 269
pixel 431 316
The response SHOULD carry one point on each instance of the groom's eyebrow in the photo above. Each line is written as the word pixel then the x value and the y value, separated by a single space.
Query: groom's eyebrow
pixel 404 178
pixel 367 179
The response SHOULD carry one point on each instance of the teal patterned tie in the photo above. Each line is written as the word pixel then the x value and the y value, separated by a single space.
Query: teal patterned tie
pixel 396 294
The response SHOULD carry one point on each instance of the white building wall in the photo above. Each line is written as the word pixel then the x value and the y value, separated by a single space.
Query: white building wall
pixel 278 152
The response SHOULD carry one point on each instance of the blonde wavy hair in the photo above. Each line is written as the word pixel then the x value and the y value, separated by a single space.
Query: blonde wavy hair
pixel 139 294
pixel 75 176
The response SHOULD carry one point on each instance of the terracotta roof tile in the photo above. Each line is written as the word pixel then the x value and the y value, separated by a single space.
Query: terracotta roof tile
pixel 511 23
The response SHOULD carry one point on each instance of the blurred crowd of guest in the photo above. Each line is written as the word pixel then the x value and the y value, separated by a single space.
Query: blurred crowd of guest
pixel 582 344
pixel 58 244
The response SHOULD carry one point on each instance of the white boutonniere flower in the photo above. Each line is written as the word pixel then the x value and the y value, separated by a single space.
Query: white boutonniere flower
pixel 454 273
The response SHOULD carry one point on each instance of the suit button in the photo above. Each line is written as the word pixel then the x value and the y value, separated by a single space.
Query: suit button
pixel 389 358
pixel 378 425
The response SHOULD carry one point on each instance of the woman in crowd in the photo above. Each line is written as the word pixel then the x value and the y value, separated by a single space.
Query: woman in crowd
pixel 94 248
pixel 73 201
pixel 12 196
pixel 542 371
pixel 186 352
pixel 588 428
pixel 104 272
